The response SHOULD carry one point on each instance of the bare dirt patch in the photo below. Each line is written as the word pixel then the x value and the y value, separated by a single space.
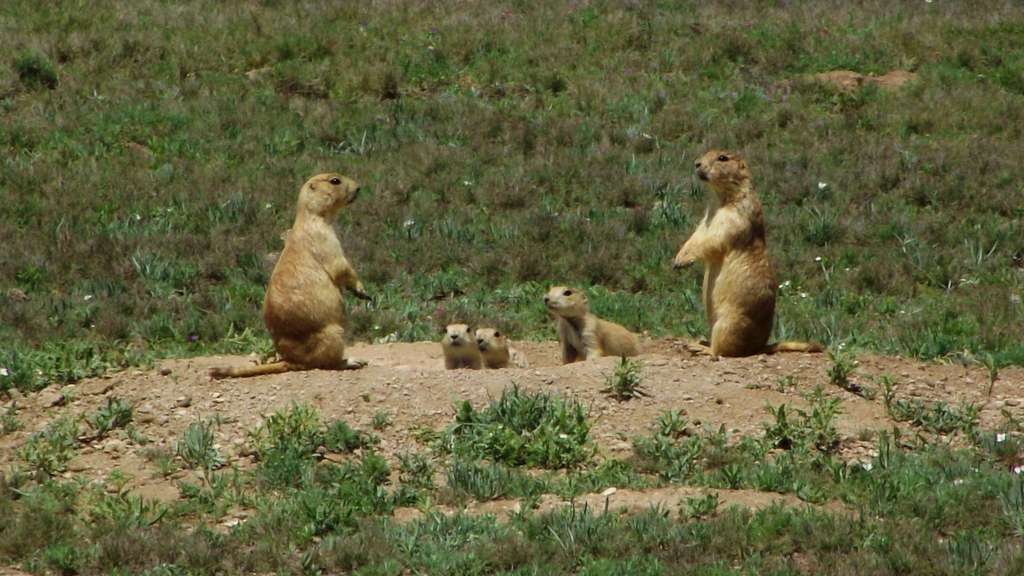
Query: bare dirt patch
pixel 408 381
pixel 848 80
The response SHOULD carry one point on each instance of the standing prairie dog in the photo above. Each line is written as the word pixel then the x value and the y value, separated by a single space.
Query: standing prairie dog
pixel 460 348
pixel 495 351
pixel 582 334
pixel 303 308
pixel 739 283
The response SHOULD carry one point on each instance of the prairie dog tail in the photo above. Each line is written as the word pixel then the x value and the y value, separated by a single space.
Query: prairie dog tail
pixel 272 368
pixel 790 346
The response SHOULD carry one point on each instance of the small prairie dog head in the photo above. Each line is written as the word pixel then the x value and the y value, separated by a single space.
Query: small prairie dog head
pixel 725 173
pixel 326 194
pixel 458 335
pixel 489 339
pixel 567 302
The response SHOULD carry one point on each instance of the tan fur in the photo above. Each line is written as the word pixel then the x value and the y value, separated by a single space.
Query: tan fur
pixel 739 283
pixel 495 350
pixel 582 334
pixel 303 309
pixel 460 348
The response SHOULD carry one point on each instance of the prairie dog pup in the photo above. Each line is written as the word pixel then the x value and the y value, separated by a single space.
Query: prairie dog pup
pixel 739 283
pixel 494 349
pixel 460 348
pixel 303 308
pixel 582 334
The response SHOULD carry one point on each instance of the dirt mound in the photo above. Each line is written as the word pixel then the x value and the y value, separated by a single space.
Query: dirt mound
pixel 847 80
pixel 408 381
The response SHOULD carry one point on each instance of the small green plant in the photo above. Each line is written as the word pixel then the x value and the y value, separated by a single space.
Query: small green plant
pixel 1011 500
pixel 938 417
pixel 992 366
pixel 785 383
pixel 523 429
pixel 196 446
pixel 699 508
pixel 625 381
pixel 115 414
pixel 9 421
pixel 844 364
pixel 416 471
pixel 381 420
pixel 163 458
pixel 672 424
pixel 35 71
pixel 801 428
pixel 49 451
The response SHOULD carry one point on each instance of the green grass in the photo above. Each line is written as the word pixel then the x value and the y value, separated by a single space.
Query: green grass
pixel 911 507
pixel 146 173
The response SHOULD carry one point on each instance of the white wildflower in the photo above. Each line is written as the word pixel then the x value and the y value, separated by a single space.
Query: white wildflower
pixel 866 465
pixel 958 482
pixel 817 258
pixel 822 185
pixel 803 294
pixel 563 436
pixel 1018 469
pixel 409 223
pixel 88 297
pixel 268 206
pixel 1001 437
pixel 4 372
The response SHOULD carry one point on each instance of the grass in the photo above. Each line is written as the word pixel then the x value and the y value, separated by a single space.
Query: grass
pixel 909 507
pixel 626 380
pixel 147 175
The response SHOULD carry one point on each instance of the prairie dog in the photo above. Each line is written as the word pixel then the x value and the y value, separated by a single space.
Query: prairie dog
pixel 303 308
pixel 460 348
pixel 495 351
pixel 582 334
pixel 739 283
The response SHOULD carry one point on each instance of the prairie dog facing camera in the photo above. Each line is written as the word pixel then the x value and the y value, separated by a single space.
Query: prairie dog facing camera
pixel 495 350
pixel 739 283
pixel 460 348
pixel 583 335
pixel 303 309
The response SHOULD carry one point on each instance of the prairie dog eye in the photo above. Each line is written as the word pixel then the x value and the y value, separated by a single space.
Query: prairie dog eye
pixel 335 181
pixel 497 334
pixel 723 158
pixel 567 293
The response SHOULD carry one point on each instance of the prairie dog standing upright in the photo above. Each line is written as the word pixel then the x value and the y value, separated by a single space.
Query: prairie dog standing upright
pixel 460 348
pixel 582 334
pixel 739 283
pixel 495 351
pixel 303 309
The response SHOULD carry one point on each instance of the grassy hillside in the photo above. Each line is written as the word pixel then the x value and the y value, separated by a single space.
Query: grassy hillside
pixel 152 152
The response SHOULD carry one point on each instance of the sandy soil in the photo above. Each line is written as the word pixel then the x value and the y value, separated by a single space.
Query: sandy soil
pixel 408 381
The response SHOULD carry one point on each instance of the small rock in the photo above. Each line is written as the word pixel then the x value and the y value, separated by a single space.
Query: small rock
pixel 718 400
pixel 17 295
pixel 1013 402
pixel 161 420
pixel 968 381
pixel 165 371
pixel 115 446
pixel 144 418
pixel 183 402
pixel 660 362
pixel 50 398
pixel 97 387
pixel 609 491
